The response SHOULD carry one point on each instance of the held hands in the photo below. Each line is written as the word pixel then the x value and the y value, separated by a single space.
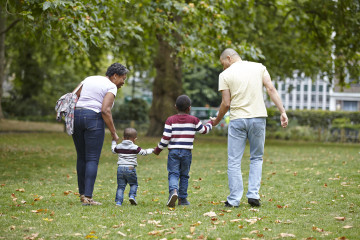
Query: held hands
pixel 213 121
pixel 115 137
pixel 284 120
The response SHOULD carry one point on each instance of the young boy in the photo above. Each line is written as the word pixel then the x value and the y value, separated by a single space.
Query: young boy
pixel 127 162
pixel 178 136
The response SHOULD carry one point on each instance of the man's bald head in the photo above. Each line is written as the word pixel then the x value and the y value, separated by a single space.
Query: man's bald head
pixel 229 52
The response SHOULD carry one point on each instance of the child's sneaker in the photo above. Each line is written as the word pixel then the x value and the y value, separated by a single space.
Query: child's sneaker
pixel 183 201
pixel 89 201
pixel 118 204
pixel 132 200
pixel 172 198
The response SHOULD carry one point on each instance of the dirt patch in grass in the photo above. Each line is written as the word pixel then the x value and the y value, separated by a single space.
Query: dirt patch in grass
pixel 26 126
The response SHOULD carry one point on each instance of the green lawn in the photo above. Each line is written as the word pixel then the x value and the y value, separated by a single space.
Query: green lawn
pixel 305 187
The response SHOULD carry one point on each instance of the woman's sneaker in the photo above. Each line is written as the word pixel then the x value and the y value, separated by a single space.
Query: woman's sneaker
pixel 183 201
pixel 89 201
pixel 172 198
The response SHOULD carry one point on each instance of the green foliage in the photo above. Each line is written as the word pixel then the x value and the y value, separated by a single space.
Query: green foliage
pixel 136 109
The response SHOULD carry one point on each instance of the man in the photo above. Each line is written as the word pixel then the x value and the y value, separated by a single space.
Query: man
pixel 241 85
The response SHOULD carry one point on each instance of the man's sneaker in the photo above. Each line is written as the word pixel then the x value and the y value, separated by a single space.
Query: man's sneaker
pixel 227 204
pixel 118 204
pixel 82 198
pixel 89 201
pixel 183 201
pixel 132 200
pixel 254 202
pixel 172 199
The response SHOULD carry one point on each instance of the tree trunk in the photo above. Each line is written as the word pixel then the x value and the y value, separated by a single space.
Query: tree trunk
pixel 2 55
pixel 166 88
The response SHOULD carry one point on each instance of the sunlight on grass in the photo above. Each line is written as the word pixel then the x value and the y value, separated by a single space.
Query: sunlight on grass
pixel 309 190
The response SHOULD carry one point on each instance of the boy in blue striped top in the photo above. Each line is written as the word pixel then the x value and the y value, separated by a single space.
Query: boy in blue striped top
pixel 178 137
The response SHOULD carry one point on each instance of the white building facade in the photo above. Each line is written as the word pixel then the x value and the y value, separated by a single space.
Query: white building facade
pixel 303 93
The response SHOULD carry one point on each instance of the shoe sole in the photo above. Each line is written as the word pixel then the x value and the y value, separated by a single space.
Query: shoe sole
pixel 172 200
pixel 132 201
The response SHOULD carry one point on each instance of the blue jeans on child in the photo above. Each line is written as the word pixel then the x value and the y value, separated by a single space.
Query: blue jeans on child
pixel 88 137
pixel 239 131
pixel 125 175
pixel 178 166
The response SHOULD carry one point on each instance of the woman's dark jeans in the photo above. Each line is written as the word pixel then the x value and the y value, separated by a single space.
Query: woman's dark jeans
pixel 88 136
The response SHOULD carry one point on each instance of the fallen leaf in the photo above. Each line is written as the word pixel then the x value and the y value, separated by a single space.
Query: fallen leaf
pixel 12 227
pixel 196 224
pixel 48 220
pixel 20 190
pixel 254 232
pixel 241 226
pixel 347 227
pixel 254 210
pixel 77 234
pixel 192 230
pixel 340 218
pixel 32 236
pixel 235 220
pixel 122 234
pixel 286 235
pixel 157 232
pixel 210 214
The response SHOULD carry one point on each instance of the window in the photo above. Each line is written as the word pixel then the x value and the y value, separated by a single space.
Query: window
pixel 327 88
pixel 290 97
pixel 298 87
pixel 298 97
pixel 320 88
pixel 327 99
pixel 350 106
pixel 305 88
pixel 283 87
pixel 305 98
pixel 320 98
pixel 313 98
pixel 313 88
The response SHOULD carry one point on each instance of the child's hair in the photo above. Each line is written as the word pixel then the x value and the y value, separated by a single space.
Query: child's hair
pixel 130 133
pixel 183 102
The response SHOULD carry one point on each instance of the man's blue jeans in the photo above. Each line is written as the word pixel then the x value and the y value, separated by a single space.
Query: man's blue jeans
pixel 88 136
pixel 178 166
pixel 239 131
pixel 126 176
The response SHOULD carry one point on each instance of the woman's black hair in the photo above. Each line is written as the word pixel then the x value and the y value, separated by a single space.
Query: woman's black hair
pixel 117 68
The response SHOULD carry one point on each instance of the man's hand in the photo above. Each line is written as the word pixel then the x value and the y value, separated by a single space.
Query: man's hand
pixel 213 121
pixel 284 120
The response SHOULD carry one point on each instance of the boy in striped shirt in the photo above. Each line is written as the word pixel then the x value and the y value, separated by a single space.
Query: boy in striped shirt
pixel 178 137
pixel 127 161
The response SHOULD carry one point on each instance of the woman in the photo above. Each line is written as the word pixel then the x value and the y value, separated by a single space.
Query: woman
pixel 92 112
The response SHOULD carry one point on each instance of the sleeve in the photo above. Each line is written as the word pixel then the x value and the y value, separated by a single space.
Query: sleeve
pixel 145 152
pixel 113 146
pixel 164 142
pixel 113 89
pixel 203 129
pixel 222 82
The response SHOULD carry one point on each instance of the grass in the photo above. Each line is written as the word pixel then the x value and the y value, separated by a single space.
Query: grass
pixel 304 187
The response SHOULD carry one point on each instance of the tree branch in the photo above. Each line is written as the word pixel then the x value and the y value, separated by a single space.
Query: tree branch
pixel 10 26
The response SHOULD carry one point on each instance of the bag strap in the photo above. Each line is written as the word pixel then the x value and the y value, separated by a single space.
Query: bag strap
pixel 77 88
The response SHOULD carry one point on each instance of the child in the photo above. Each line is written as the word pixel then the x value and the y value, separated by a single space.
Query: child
pixel 179 136
pixel 126 172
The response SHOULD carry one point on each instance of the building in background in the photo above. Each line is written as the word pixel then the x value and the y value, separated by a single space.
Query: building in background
pixel 302 93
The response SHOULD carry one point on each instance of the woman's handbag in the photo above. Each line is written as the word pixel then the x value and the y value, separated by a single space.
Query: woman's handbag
pixel 65 106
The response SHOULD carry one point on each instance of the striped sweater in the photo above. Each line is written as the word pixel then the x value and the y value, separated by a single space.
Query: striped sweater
pixel 127 152
pixel 179 132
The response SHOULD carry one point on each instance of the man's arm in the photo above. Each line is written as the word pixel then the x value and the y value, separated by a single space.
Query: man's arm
pixel 224 107
pixel 271 90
